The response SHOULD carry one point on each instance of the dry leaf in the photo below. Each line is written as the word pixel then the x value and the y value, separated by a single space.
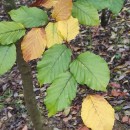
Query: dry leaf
pixel 125 119
pixel 84 128
pixel 45 3
pixel 33 44
pixel 53 35
pixel 62 10
pixel 117 93
pixel 115 85
pixel 69 28
pixel 97 113
pixel 66 119
pixel 25 128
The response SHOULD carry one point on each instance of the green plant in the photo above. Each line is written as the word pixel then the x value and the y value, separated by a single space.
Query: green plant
pixel 56 66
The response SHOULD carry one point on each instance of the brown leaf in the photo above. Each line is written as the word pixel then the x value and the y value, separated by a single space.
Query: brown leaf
pixel 114 85
pixel 129 121
pixel 117 93
pixel 45 3
pixel 33 44
pixel 84 128
pixel 67 118
pixel 38 2
pixel 25 128
pixel 125 119
pixel 62 10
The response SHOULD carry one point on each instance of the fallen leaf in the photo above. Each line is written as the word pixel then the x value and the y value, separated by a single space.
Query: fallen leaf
pixel 10 108
pixel 53 35
pixel 56 129
pixel 9 115
pixel 25 128
pixel 126 107
pixel 69 29
pixel 125 119
pixel 129 121
pixel 33 44
pixel 1 124
pixel 62 10
pixel 127 113
pixel 67 118
pixel 117 93
pixel 114 85
pixel 45 3
pixel 38 2
pixel 84 128
pixel 117 116
pixel 122 76
pixel 97 113
pixel 75 48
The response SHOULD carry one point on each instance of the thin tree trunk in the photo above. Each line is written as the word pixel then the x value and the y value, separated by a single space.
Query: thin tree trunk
pixel 25 70
pixel 29 95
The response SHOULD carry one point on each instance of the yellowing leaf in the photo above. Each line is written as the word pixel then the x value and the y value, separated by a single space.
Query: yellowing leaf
pixel 62 10
pixel 49 3
pixel 97 113
pixel 53 35
pixel 69 28
pixel 33 44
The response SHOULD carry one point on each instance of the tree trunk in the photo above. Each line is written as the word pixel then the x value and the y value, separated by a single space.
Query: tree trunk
pixel 27 80
pixel 29 95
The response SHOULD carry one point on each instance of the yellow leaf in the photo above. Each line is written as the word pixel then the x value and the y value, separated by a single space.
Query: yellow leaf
pixel 69 28
pixel 53 35
pixel 33 44
pixel 62 10
pixel 97 113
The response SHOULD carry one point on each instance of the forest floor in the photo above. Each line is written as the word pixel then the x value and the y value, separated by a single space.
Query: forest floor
pixel 112 43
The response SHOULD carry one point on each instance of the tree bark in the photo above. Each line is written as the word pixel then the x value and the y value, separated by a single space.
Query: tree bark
pixel 27 80
pixel 29 95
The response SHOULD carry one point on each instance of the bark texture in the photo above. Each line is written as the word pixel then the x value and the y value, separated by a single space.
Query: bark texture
pixel 29 95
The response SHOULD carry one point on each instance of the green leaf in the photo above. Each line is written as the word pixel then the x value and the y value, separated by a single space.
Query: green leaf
pixel 61 92
pixel 7 58
pixel 99 4
pixel 91 70
pixel 115 5
pixel 10 32
pixel 55 61
pixel 85 13
pixel 29 17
